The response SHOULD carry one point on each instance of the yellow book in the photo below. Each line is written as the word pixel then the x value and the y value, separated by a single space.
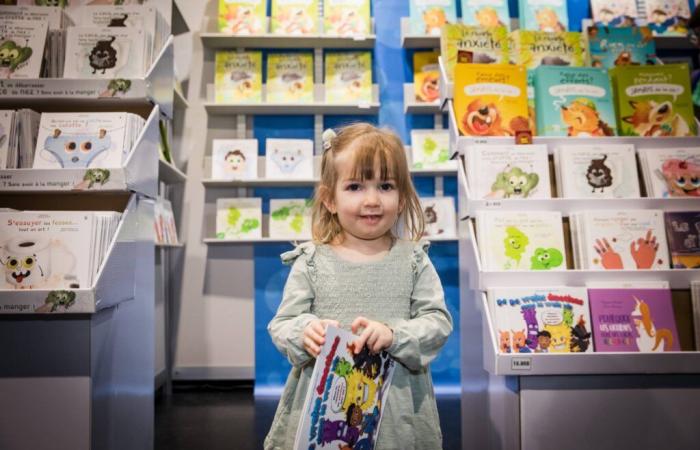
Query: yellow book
pixel 426 76
pixel 294 17
pixel 242 17
pixel 534 48
pixel 346 17
pixel 348 77
pixel 290 77
pixel 491 99
pixel 238 77
pixel 471 44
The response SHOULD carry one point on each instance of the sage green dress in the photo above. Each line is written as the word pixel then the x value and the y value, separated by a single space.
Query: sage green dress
pixel 402 290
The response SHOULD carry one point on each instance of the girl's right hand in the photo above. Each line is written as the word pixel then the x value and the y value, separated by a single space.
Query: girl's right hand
pixel 315 335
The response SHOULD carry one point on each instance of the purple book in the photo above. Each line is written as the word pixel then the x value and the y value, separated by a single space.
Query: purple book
pixel 683 233
pixel 633 320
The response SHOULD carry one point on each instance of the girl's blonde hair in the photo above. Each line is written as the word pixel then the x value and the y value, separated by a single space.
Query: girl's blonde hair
pixel 369 145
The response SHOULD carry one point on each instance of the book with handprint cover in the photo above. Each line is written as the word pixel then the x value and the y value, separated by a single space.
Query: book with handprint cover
pixel 346 397
pixel 683 232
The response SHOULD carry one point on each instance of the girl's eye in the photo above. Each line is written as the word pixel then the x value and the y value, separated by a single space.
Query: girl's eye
pixel 353 187
pixel 386 186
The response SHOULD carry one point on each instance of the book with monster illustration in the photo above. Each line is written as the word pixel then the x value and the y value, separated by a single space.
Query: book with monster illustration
pixel 294 17
pixel 242 17
pixel 668 17
pixel 426 76
pixel 614 13
pixel 290 219
pixel 430 149
pixel 610 47
pixel 238 77
pixel 289 159
pixel 440 217
pixel 486 13
pixel 22 47
pixel 234 159
pixel 428 16
pixel 290 77
pixel 239 218
pixel 470 44
pixel 549 16
pixel 346 18
pixel 671 172
pixel 348 77
pixel 683 233
pixel 106 53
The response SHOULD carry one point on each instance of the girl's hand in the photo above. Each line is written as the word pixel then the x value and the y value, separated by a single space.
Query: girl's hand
pixel 315 335
pixel 375 334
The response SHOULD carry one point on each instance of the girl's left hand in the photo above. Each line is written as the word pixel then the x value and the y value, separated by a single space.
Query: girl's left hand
pixel 375 334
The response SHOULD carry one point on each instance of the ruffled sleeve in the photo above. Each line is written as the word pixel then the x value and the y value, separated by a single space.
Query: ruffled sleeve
pixel 294 313
pixel 418 340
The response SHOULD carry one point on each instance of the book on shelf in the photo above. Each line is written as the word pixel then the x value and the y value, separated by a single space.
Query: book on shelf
pixel 54 16
pixel 426 76
pixel 428 16
pixel 289 159
pixel 486 13
pixel 610 47
pixel 683 231
pixel 668 17
pixel 430 149
pixel 633 320
pixel 615 14
pixel 346 397
pixel 18 137
pixel 521 240
pixel 440 217
pixel 346 18
pixel 238 218
pixel 234 159
pixel 238 77
pixel 508 171
pixel 290 219
pixel 106 53
pixel 7 128
pixel 541 320
pixel 671 172
pixel 654 101
pixel 348 77
pixel 164 223
pixel 294 17
pixel 242 17
pixel 290 77
pixel 550 16
pixel 461 43
pixel 22 44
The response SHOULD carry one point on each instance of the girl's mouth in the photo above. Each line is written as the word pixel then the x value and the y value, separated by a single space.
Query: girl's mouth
pixel 371 219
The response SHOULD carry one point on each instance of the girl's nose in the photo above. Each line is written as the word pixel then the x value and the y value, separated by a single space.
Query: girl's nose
pixel 372 197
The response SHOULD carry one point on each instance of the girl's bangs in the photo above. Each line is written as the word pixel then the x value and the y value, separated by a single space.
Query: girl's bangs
pixel 367 157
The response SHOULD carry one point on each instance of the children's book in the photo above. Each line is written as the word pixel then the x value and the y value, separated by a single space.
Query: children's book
pixel 7 118
pixel 106 53
pixel 440 217
pixel 290 218
pixel 294 17
pixel 521 240
pixel 552 320
pixel 683 232
pixel 671 172
pixel 668 17
pixel 614 13
pixel 654 101
pixel 21 47
pixel 486 13
pixel 610 47
pixel 346 18
pixel 239 218
pixel 234 159
pixel 550 16
pixel 430 149
pixel 52 15
pixel 633 320
pixel 469 44
pixel 348 77
pixel 428 16
pixel 242 17
pixel 535 48
pixel 597 171
pixel 238 77
pixel 289 159
pixel 508 171
pixel 346 397
pixel 574 101
pixel 426 76
pixel 491 99
pixel 290 77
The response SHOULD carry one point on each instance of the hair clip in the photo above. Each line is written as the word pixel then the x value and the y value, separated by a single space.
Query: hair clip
pixel 327 137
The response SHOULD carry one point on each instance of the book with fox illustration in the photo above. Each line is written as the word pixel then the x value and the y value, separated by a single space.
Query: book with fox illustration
pixel 290 77
pixel 549 16
pixel 469 44
pixel 610 47
pixel 294 17
pixel 426 76
pixel 238 77
pixel 346 18
pixel 614 13
pixel 486 13
pixel 428 16
pixel 348 77
pixel 671 172
pixel 683 232
pixel 242 17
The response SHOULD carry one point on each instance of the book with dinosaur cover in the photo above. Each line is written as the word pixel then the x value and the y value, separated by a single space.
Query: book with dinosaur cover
pixel 290 77
pixel 549 16
pixel 633 320
pixel 682 231
pixel 610 47
pixel 347 396
pixel 430 149
pixel 428 16
pixel 294 17
pixel 238 77
pixel 234 159
pixel 486 13
pixel 22 44
pixel 469 44
pixel 346 18
pixel 440 217
pixel 668 17
pixel 290 218
pixel 552 320
pixel 614 13
pixel 289 159
pixel 426 76
pixel 239 218
pixel 348 77
pixel 242 17
pixel 107 53
pixel 671 172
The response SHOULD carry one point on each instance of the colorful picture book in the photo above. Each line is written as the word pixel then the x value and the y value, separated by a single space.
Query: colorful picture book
pixel 535 48
pixel 346 18
pixel 106 53
pixel 22 47
pixel 164 223
pixel 440 217
pixel 346 397
pixel 610 47
pixel 348 77
pixel 486 13
pixel 671 172
pixel 683 232
pixel 469 44
pixel 239 218
pixel 426 76
pixel 290 77
pixel 633 320
pixel 54 16
pixel 18 138
pixel 290 218
pixel 238 77
pixel 428 16
pixel 574 101
pixel 430 149
pixel 288 159
pixel 553 320
pixel 234 159
pixel 294 17
pixel 668 17
pixel 550 16
pixel 508 171
pixel 614 13
pixel 242 17
pixel 521 240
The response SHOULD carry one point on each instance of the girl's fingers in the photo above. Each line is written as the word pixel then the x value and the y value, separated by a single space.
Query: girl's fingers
pixel 331 322
pixel 372 339
pixel 311 347
pixel 314 336
pixel 318 327
pixel 362 340
pixel 359 322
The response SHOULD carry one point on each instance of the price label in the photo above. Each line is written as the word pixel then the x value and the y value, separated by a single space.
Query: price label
pixel 521 364
pixel 493 204
pixel 364 105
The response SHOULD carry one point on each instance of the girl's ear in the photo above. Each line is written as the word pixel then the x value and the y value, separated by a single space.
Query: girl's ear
pixel 327 199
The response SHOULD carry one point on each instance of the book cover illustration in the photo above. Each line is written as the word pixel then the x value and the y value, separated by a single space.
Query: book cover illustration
pixel 21 47
pixel 671 172
pixel 610 47
pixel 52 15
pixel 348 77
pixel 491 99
pixel 469 44
pixel 668 17
pixel 426 76
pixel 614 13
pixel 633 320
pixel 239 218
pixel 288 159
pixel 135 16
pixel 346 18
pixel 554 320
pixel 683 233
pixel 486 13
pixel 290 77
pixel 428 16
pixel 234 159
pixel 238 77
pixel 440 217
pixel 550 16
pixel 347 396
pixel 290 218
pixel 654 101
pixel 597 171
pixel 430 149
pixel 105 53
pixel 294 17
pixel 535 48
pixel 242 17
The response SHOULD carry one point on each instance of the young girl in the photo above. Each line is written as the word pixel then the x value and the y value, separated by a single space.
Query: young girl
pixel 359 274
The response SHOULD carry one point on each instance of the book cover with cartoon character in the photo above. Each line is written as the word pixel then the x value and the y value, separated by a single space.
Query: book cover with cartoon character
pixel 469 44
pixel 106 53
pixel 290 77
pixel 552 320
pixel 428 16
pixel 426 76
pixel 633 320
pixel 22 48
pixel 610 47
pixel 654 101
pixel 486 13
pixel 290 218
pixel 574 101
pixel 683 233
pixel 491 100
pixel 430 149
pixel 294 17
pixel 668 17
pixel 440 217
pixel 346 18
pixel 289 159
pixel 242 17
pixel 550 16
pixel 521 240
pixel 614 13
pixel 238 77
pixel 348 77
pixel 671 172
pixel 239 218
pixel 346 397
pixel 234 159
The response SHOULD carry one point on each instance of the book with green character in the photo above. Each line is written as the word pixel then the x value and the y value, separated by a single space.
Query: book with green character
pixel 430 149
pixel 239 218
pixel 290 218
